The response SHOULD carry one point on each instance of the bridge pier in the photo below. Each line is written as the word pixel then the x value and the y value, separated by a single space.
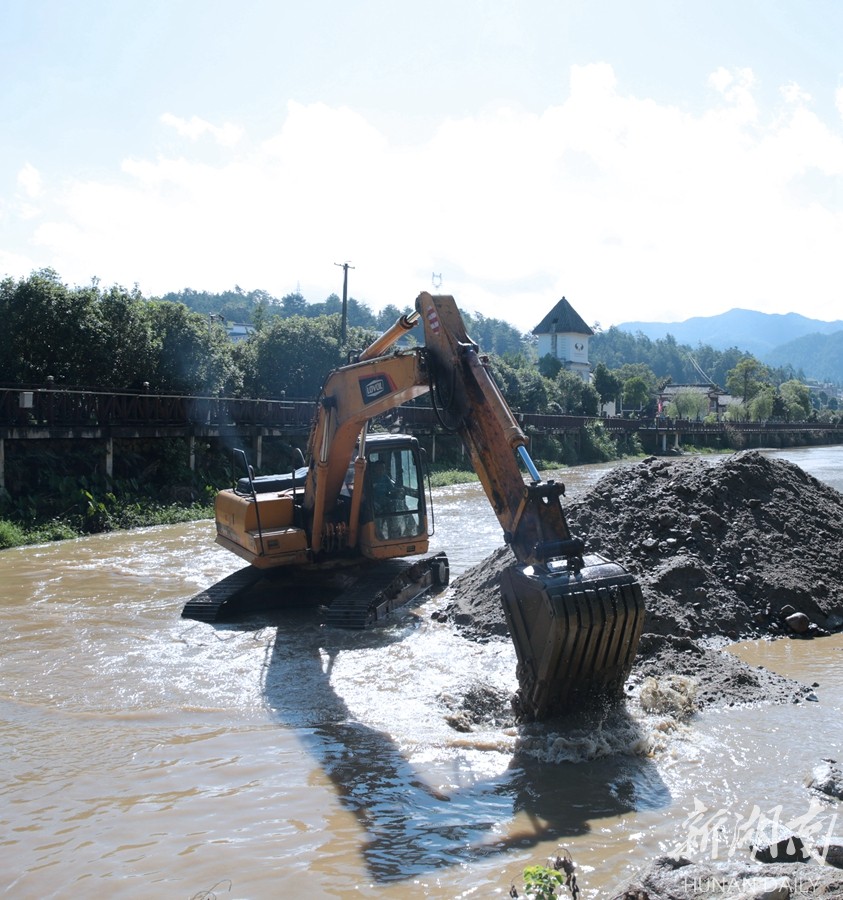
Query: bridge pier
pixel 2 464
pixel 109 456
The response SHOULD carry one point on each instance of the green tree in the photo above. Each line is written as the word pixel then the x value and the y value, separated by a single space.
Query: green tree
pixel 636 392
pixel 128 342
pixel 50 330
pixel 716 363
pixel 235 306
pixel 550 366
pixel 606 383
pixel 388 316
pixel 191 354
pixel 493 335
pixel 747 378
pixel 523 386
pixel 293 305
pixel 738 412
pixel 688 404
pixel 760 408
pixel 576 396
pixel 796 399
pixel 292 357
pixel 638 370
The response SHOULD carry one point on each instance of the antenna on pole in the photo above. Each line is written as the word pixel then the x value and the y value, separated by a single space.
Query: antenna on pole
pixel 344 321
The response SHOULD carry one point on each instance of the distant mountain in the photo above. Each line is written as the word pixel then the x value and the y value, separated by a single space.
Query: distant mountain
pixel 819 356
pixel 756 332
pixel 814 346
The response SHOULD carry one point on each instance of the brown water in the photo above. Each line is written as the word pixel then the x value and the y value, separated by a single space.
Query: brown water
pixel 145 755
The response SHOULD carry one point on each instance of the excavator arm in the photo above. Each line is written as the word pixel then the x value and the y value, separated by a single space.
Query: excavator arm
pixel 470 403
pixel 575 620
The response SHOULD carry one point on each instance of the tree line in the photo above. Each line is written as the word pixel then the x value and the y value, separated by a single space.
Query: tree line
pixel 634 370
pixel 117 339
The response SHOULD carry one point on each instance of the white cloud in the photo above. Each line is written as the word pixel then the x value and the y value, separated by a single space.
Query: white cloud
pixel 736 86
pixel 793 93
pixel 15 263
pixel 29 181
pixel 632 209
pixel 226 134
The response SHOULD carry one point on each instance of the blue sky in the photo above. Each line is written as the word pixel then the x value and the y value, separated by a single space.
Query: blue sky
pixel 649 160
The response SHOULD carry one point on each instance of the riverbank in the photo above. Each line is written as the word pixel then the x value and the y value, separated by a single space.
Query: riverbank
pixel 749 548
pixel 122 514
pixel 69 498
pixel 98 518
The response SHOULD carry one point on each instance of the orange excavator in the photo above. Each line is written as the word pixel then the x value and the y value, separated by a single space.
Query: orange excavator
pixel 350 518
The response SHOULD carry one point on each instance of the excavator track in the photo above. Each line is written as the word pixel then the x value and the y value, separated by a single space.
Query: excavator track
pixel 384 588
pixel 206 605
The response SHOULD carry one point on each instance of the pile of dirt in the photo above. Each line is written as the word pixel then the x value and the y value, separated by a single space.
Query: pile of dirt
pixel 744 548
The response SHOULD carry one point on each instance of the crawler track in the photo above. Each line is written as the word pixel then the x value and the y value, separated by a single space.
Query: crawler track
pixel 385 587
pixel 206 605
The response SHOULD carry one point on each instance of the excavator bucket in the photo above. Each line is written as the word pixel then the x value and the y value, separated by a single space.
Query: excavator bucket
pixel 576 631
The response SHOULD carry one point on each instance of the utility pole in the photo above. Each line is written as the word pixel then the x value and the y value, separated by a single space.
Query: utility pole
pixel 344 321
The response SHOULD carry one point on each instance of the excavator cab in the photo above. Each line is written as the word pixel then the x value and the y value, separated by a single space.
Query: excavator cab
pixel 394 514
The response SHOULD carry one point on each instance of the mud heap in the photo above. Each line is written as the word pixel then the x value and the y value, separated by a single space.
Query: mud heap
pixel 747 547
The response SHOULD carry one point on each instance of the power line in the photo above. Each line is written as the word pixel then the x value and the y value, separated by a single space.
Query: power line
pixel 699 371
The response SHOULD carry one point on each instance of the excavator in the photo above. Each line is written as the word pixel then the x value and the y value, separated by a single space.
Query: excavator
pixel 350 517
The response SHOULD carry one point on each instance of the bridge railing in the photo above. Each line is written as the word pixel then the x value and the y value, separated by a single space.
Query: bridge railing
pixel 51 407
pixel 60 407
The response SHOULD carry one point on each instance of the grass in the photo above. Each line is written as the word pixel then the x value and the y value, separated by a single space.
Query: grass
pixel 445 477
pixel 133 515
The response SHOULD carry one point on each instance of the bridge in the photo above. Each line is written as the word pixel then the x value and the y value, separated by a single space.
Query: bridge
pixel 29 412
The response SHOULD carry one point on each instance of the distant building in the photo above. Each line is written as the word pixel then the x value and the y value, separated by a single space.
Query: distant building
pixel 239 331
pixel 563 334
pixel 717 400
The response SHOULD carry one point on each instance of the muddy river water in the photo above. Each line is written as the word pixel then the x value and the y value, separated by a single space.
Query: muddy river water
pixel 148 756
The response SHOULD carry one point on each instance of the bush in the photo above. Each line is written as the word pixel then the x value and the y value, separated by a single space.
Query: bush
pixel 597 444
pixel 11 535
pixel 57 530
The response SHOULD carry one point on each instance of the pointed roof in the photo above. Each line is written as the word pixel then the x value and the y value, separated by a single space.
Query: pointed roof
pixel 562 319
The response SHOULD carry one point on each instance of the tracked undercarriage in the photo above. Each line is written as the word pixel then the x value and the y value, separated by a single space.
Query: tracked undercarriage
pixel 357 597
